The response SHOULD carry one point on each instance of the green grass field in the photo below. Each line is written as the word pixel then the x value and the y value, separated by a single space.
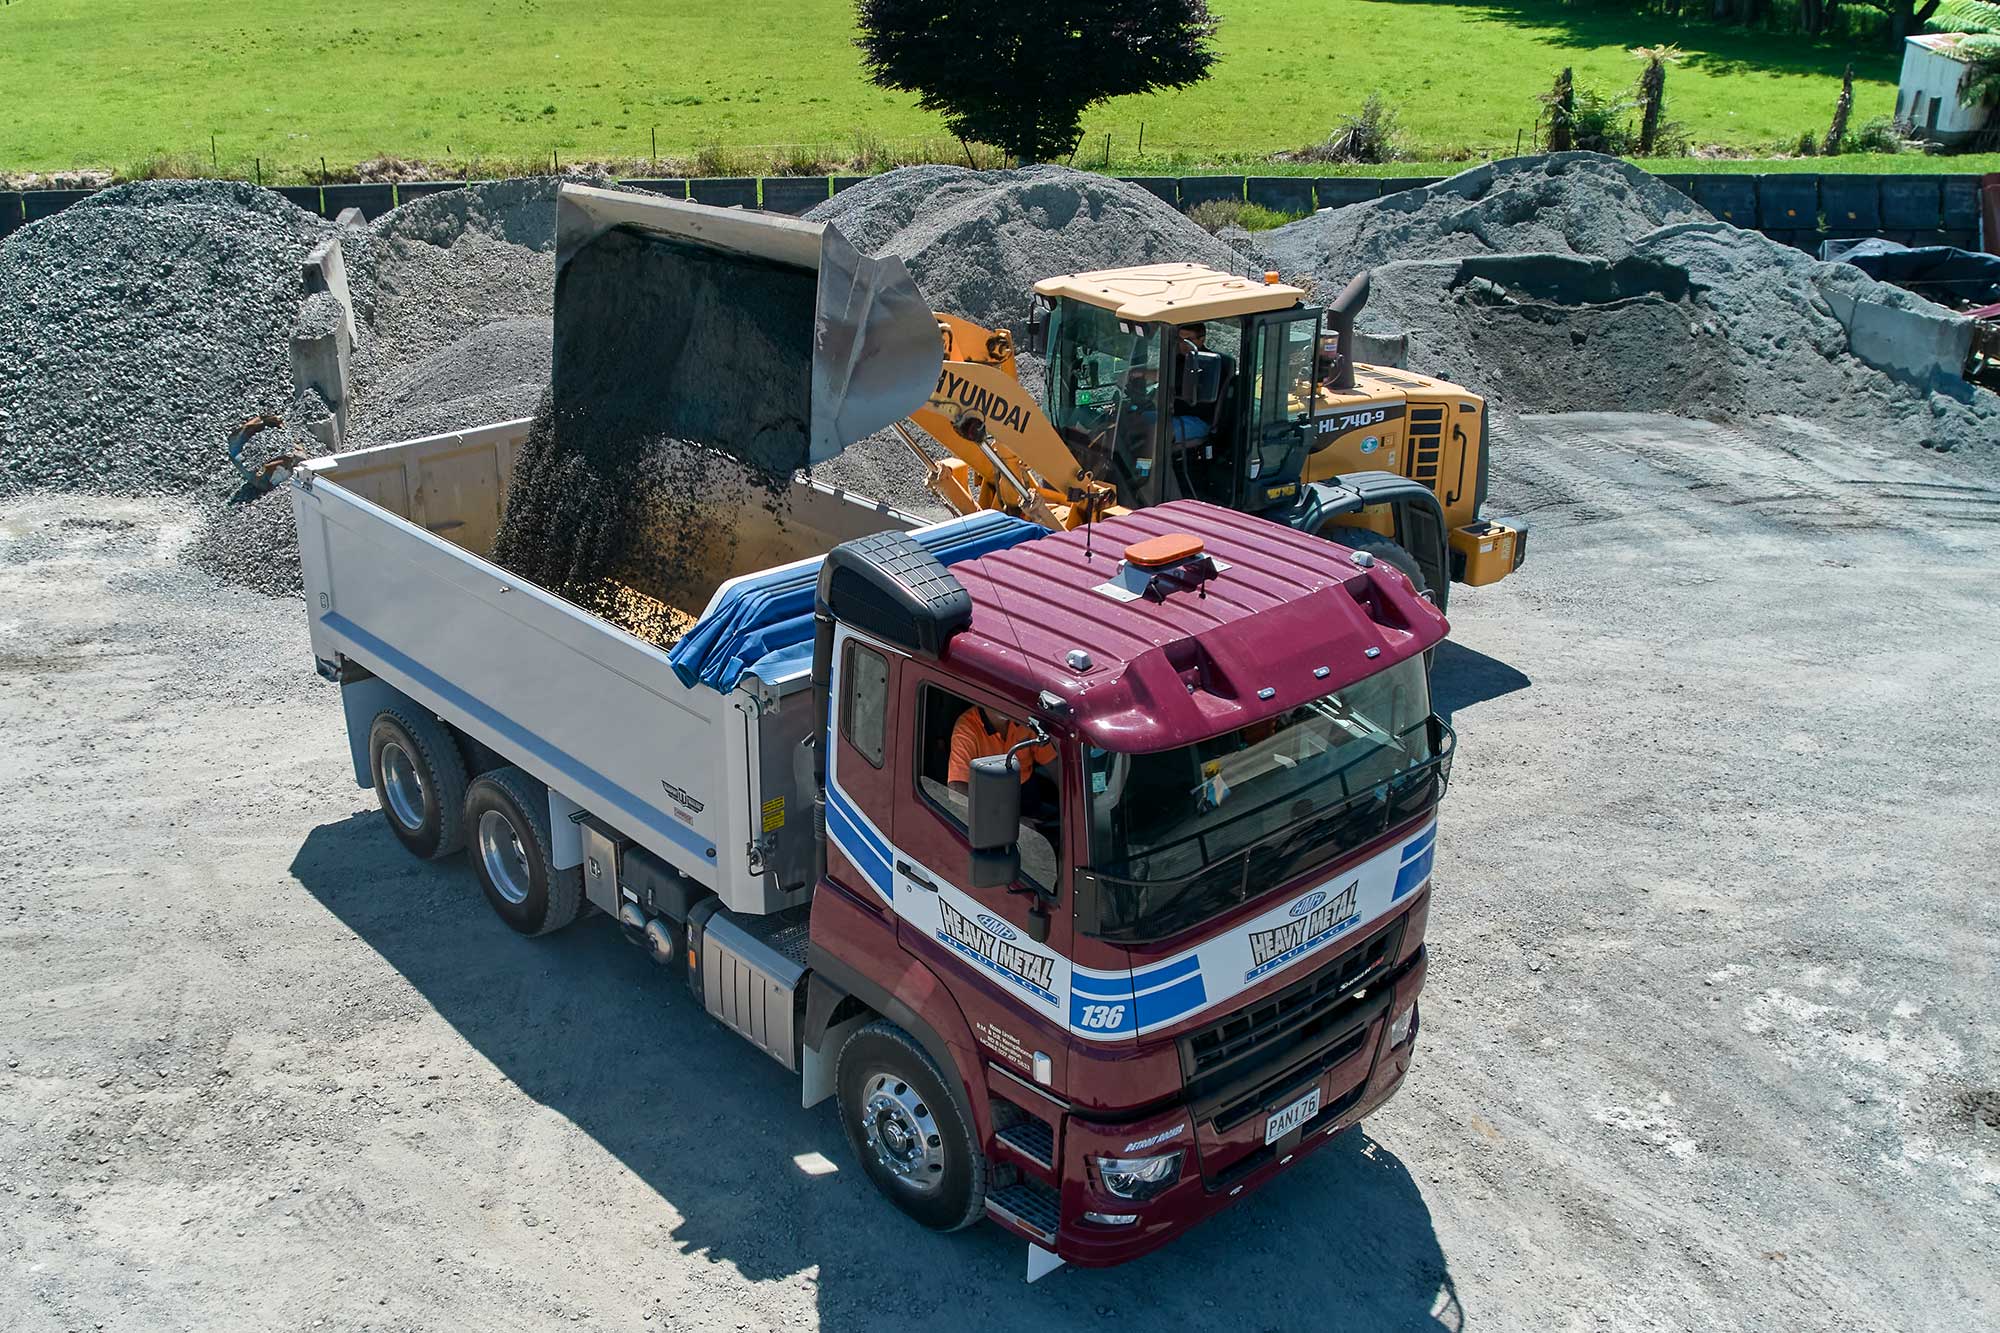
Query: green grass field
pixel 119 83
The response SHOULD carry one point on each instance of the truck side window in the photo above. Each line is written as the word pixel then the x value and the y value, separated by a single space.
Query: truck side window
pixel 864 705
pixel 940 713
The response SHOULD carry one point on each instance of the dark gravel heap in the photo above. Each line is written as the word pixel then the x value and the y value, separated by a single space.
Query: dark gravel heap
pixel 139 326
pixel 1579 283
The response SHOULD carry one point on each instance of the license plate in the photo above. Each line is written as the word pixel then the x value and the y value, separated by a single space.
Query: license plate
pixel 1291 1117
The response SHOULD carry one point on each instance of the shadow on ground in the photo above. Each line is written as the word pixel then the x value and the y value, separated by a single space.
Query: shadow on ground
pixel 589 1027
pixel 1462 677
pixel 1713 48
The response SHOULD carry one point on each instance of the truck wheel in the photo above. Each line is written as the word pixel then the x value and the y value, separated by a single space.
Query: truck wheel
pixel 1382 548
pixel 419 779
pixel 507 826
pixel 913 1136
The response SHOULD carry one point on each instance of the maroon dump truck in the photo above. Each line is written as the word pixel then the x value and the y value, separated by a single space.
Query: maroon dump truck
pixel 1094 962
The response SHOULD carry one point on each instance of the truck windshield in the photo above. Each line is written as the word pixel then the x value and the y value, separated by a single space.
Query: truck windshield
pixel 1181 835
pixel 1103 394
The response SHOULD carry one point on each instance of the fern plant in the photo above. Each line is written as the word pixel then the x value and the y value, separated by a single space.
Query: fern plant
pixel 1980 84
pixel 1966 16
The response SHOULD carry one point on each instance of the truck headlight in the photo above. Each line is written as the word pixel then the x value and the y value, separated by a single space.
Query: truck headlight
pixel 1138 1177
pixel 1400 1026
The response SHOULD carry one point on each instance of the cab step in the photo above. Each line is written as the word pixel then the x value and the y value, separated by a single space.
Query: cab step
pixel 1029 1204
pixel 1033 1139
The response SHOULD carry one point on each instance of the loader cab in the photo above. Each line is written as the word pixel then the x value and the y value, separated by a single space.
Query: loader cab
pixel 1176 381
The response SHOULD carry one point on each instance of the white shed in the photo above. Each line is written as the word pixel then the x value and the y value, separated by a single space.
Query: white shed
pixel 1927 96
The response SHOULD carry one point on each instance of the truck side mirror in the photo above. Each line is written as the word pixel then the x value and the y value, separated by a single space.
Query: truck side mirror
pixel 993 799
pixel 993 822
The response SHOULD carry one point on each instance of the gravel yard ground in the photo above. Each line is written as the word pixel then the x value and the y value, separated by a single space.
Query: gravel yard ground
pixel 1709 1039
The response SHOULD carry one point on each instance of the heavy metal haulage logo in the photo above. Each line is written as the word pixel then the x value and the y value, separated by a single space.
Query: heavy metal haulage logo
pixel 1032 970
pixel 957 396
pixel 1281 943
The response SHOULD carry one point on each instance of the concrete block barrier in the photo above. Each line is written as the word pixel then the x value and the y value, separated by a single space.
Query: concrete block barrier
pixel 409 190
pixel 1959 201
pixel 1164 188
pixel 1912 203
pixel 674 187
pixel 1398 184
pixel 1683 183
pixel 844 182
pixel 305 196
pixel 1197 190
pixel 1851 203
pixel 1340 191
pixel 1282 194
pixel 372 200
pixel 47 203
pixel 724 191
pixel 1733 199
pixel 11 216
pixel 795 194
pixel 1788 203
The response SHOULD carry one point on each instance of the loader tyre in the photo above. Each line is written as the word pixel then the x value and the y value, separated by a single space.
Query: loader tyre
pixel 913 1134
pixel 507 837
pixel 1382 548
pixel 419 779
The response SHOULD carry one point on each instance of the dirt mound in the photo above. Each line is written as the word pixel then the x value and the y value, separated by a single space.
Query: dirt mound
pixel 977 242
pixel 1564 203
pixel 139 326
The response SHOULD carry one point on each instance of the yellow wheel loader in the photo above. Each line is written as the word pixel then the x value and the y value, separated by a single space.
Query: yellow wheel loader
pixel 1172 381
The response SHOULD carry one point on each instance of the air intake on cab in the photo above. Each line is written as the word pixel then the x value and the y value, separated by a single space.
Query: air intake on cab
pixel 890 587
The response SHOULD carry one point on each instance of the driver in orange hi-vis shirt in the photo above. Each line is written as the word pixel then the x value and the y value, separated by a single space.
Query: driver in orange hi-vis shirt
pixel 981 732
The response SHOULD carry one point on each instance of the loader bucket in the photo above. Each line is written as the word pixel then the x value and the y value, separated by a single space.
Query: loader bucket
pixel 768 337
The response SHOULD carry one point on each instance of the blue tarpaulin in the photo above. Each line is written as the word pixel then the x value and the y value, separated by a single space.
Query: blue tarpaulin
pixel 764 622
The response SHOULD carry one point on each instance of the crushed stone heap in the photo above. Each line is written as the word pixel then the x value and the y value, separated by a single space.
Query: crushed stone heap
pixel 1579 283
pixel 139 326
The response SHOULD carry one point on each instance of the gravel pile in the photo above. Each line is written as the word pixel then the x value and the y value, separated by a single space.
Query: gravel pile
pixel 977 242
pixel 496 372
pixel 1564 203
pixel 138 327
pixel 1578 283
pixel 452 276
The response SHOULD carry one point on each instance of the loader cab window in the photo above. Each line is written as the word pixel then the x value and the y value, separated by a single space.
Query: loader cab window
pixel 1282 375
pixel 1105 396
pixel 952 730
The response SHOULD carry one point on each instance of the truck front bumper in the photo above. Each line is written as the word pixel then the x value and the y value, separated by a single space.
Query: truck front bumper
pixel 1352 1091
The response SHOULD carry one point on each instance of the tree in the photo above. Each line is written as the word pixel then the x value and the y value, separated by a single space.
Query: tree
pixel 1653 91
pixel 1561 102
pixel 1021 75
pixel 1836 133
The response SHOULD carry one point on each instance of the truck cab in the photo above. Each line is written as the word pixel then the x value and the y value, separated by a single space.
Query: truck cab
pixel 1193 952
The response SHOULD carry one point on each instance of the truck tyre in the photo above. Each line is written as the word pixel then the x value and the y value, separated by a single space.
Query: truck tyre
pixel 1382 548
pixel 507 835
pixel 913 1135
pixel 419 779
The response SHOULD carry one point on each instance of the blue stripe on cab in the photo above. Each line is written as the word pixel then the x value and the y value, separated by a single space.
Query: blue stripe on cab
pixel 1413 873
pixel 1164 1006
pixel 1421 843
pixel 1159 976
pixel 1115 987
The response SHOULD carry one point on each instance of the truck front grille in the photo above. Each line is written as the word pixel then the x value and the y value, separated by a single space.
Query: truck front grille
pixel 1235 1057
